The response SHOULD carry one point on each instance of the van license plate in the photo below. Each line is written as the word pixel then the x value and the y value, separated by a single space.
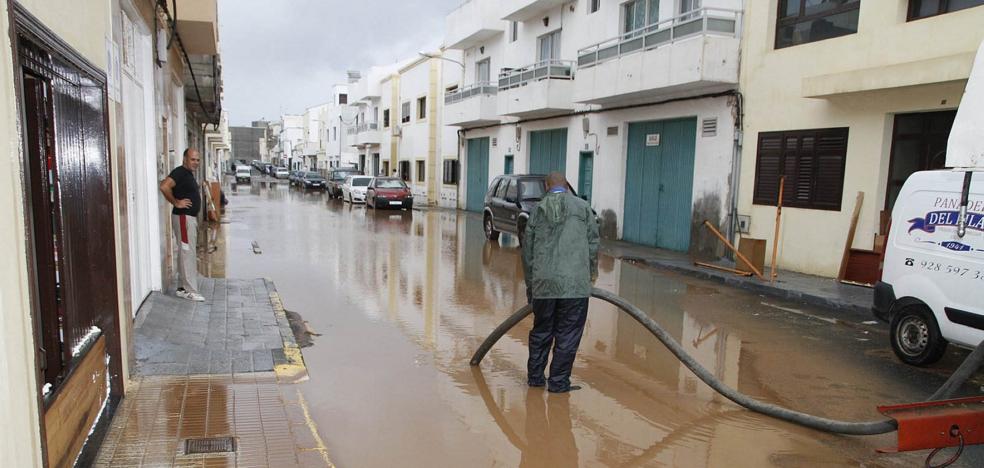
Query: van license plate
pixel 396 203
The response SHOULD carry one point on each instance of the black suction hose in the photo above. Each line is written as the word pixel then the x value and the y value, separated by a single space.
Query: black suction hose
pixel 964 372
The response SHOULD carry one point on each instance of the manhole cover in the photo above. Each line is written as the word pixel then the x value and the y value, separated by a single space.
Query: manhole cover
pixel 210 445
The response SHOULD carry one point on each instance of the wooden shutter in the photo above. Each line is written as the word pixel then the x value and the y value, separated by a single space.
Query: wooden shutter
pixel 813 162
pixel 768 167
pixel 831 156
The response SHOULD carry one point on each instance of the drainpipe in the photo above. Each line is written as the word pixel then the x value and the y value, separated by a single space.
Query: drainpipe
pixel 732 231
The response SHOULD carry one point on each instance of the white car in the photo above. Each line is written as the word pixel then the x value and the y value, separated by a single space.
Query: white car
pixel 281 173
pixel 354 188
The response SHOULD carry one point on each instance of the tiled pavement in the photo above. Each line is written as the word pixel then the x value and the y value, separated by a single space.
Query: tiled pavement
pixel 269 421
pixel 204 370
pixel 234 330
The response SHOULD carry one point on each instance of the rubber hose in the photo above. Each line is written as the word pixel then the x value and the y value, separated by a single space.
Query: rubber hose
pixel 828 425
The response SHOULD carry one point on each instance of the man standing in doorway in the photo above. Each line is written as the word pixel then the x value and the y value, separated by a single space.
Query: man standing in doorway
pixel 181 190
pixel 560 261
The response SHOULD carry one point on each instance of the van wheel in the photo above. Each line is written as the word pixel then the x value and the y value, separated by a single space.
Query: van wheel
pixel 490 232
pixel 916 337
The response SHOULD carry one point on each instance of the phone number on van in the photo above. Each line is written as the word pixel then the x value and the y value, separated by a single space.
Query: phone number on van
pixel 949 269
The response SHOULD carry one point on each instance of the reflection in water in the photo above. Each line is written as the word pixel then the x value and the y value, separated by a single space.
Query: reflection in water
pixel 433 278
pixel 549 436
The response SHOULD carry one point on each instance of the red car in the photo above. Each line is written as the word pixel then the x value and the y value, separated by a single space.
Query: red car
pixel 389 192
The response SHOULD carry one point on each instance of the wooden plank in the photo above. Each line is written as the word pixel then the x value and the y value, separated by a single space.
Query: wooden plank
pixel 721 268
pixel 733 249
pixel 862 267
pixel 753 250
pixel 70 417
pixel 850 235
pixel 773 271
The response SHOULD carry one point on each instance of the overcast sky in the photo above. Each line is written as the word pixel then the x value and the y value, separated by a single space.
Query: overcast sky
pixel 284 55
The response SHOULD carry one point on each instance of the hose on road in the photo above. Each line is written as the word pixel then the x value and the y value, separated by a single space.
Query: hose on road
pixel 964 372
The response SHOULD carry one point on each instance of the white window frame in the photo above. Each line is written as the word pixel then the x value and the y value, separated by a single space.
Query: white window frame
pixel 478 70
pixel 555 42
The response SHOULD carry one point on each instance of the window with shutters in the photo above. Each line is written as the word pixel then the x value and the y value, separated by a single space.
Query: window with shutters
pixel 421 171
pixel 811 160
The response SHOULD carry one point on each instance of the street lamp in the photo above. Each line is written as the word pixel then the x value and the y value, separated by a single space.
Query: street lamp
pixel 441 57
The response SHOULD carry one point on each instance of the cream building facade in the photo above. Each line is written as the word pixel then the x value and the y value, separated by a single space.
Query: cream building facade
pixel 845 98
pixel 137 118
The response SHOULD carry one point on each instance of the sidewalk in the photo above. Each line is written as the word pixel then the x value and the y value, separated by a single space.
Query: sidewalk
pixel 814 290
pixel 218 374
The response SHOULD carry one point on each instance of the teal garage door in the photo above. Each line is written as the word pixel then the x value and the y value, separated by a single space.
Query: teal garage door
pixel 659 179
pixel 548 151
pixel 478 173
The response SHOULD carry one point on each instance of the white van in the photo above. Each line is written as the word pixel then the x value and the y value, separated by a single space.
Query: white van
pixel 932 287
pixel 243 173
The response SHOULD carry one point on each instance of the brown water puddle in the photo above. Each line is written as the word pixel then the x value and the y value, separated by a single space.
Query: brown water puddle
pixel 403 300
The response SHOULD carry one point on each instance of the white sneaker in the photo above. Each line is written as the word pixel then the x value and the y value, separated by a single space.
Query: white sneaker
pixel 191 296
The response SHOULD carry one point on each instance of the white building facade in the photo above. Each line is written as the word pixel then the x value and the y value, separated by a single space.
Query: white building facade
pixel 290 142
pixel 312 148
pixel 635 102
pixel 336 120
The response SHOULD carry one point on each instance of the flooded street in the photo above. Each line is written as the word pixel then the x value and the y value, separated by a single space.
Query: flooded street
pixel 401 300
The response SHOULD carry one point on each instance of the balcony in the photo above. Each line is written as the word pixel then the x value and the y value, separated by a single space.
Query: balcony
pixel 474 22
pixel 688 55
pixel 364 134
pixel 537 90
pixel 197 22
pixel 471 106
pixel 522 10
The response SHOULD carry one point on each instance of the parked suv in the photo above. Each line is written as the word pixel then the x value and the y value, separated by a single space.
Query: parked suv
pixel 509 202
pixel 336 177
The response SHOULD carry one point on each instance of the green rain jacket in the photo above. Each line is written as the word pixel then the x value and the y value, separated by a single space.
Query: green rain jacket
pixel 560 248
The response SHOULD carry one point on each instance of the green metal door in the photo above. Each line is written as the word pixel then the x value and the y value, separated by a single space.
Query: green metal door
pixel 659 181
pixel 548 151
pixel 478 173
pixel 585 177
pixel 508 164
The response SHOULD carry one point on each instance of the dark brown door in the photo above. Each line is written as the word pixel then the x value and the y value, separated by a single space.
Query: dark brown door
pixel 918 144
pixel 45 208
pixel 70 210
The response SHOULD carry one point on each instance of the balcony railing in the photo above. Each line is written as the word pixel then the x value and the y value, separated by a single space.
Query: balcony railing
pixel 544 70
pixel 475 89
pixel 367 127
pixel 701 21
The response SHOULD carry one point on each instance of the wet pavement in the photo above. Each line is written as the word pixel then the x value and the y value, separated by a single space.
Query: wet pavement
pixel 402 299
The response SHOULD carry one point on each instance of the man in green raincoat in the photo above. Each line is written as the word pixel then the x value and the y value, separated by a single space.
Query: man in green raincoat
pixel 560 261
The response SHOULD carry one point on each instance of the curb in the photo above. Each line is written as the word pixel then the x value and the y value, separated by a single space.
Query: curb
pixel 766 289
pixel 288 363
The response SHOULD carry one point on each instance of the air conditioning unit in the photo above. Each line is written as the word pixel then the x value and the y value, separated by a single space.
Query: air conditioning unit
pixel 397 130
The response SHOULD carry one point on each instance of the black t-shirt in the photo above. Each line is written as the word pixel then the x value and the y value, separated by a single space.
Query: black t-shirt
pixel 185 186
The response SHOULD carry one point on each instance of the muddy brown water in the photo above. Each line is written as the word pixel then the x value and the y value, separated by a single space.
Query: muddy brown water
pixel 402 300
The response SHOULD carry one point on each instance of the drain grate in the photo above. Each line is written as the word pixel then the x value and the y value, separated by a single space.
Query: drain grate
pixel 210 445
